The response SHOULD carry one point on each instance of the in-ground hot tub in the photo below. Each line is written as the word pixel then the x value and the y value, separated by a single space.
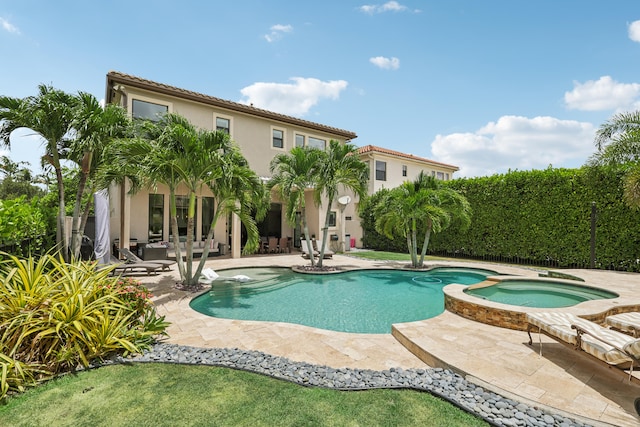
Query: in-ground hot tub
pixel 538 293
pixel 504 301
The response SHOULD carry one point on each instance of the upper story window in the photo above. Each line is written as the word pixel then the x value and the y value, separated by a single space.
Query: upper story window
pixel 299 140
pixel 381 171
pixel 404 170
pixel 223 125
pixel 278 138
pixel 147 110
pixel 317 143
pixel 440 175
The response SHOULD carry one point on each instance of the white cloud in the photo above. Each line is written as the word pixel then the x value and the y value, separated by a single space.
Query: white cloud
pixel 602 94
pixel 277 31
pixel 8 26
pixel 294 98
pixel 515 142
pixel 634 31
pixel 390 6
pixel 385 63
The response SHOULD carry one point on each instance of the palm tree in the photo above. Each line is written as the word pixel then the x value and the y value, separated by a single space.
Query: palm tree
pixel 49 114
pixel 293 174
pixel 238 190
pixel 422 206
pixel 94 127
pixel 618 143
pixel 340 170
pixel 173 152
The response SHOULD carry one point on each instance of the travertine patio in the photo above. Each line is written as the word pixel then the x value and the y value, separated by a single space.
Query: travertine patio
pixel 496 358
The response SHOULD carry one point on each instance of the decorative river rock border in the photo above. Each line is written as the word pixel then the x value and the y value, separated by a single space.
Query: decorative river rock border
pixel 493 408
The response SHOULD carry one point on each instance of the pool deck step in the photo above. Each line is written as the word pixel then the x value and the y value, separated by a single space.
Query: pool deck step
pixel 501 359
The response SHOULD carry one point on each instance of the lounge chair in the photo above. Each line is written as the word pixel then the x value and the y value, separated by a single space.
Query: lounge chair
pixel 328 253
pixel 625 322
pixel 614 348
pixel 123 266
pixel 305 249
pixel 133 258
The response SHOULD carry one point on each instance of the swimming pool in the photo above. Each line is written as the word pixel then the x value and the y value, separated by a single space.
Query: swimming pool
pixel 539 293
pixel 361 301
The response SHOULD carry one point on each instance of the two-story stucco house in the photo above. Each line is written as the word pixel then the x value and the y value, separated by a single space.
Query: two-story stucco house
pixel 261 135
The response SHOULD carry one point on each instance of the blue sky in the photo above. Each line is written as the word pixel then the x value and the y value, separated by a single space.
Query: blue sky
pixel 485 85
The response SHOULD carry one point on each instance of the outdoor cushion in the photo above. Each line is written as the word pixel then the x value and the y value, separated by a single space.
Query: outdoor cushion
pixel 605 344
pixel 602 344
pixel 555 324
pixel 625 322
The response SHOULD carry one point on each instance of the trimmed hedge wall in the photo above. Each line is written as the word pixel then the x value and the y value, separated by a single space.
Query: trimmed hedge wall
pixel 540 217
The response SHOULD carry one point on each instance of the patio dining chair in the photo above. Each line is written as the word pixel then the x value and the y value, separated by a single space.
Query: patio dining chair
pixel 273 245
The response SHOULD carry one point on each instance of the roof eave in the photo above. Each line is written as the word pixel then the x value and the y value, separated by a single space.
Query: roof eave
pixel 140 83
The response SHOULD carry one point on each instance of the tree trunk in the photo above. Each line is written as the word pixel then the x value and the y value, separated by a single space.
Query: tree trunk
pixel 207 244
pixel 414 245
pixel 425 243
pixel 176 236
pixel 76 233
pixel 63 244
pixel 191 213
pixel 325 232
pixel 305 229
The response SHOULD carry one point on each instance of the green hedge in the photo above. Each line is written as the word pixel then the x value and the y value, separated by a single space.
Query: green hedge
pixel 540 217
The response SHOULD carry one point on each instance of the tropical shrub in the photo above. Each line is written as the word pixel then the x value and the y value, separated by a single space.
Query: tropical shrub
pixel 540 217
pixel 22 225
pixel 56 317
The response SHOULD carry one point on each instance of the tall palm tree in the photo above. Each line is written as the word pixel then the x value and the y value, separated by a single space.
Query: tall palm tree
pixel 174 152
pixel 94 128
pixel 422 206
pixel 49 114
pixel 340 170
pixel 238 190
pixel 293 174
pixel 618 143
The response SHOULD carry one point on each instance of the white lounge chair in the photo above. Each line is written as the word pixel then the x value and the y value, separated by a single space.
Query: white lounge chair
pixel 328 253
pixel 625 322
pixel 305 249
pixel 614 348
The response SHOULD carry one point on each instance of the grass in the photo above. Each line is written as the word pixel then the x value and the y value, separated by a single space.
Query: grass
pixel 171 395
pixel 381 255
pixel 390 256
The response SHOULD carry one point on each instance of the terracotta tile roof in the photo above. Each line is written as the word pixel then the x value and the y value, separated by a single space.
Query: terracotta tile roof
pixel 115 77
pixel 374 149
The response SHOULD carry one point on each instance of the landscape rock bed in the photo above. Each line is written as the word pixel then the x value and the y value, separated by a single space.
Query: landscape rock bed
pixel 492 407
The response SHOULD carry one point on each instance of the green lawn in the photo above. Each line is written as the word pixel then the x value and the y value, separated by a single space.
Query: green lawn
pixel 381 255
pixel 179 395
pixel 390 256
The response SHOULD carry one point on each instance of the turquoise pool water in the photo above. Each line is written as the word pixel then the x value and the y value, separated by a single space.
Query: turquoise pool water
pixel 542 294
pixel 363 301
